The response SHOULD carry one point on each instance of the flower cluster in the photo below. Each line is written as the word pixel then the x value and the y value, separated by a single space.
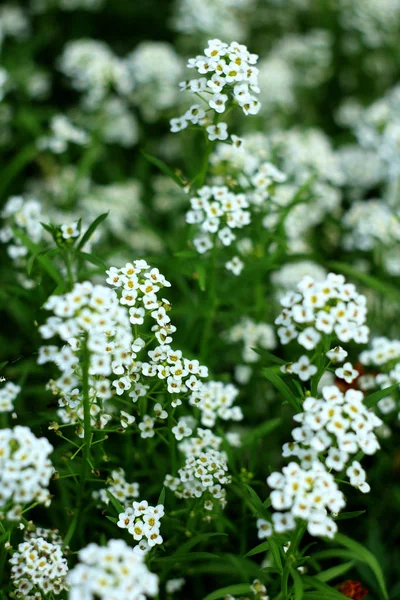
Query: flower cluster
pixel 118 486
pixel 8 394
pixel 253 335
pixel 216 401
pixel 204 471
pixel 111 572
pixel 383 359
pixel 325 308
pixel 338 425
pixel 38 567
pixel 305 494
pixel 143 523
pixel 229 78
pixel 217 211
pixel 25 468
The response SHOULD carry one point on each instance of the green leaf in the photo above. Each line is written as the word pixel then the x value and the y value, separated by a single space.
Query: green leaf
pixel 297 584
pixel 264 547
pixel 238 588
pixel 161 497
pixel 185 547
pixel 269 356
pixel 328 592
pixel 350 515
pixel 186 557
pixel 281 386
pixel 372 282
pixel 91 229
pixel 16 165
pixel 164 168
pixel 43 260
pixel 260 431
pixel 201 277
pixel 99 262
pixel 334 572
pixel 364 555
pixel 372 399
pixel 276 555
pixel 112 519
pixel 116 503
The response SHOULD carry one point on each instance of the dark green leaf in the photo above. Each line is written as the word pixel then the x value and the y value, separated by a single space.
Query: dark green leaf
pixel 91 229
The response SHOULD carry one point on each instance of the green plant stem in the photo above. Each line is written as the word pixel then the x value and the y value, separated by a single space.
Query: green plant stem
pixel 86 448
pixel 212 305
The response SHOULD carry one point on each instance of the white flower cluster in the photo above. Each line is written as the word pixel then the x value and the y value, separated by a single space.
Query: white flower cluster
pixel 13 22
pixel 216 401
pixel 8 394
pixel 371 222
pixel 155 69
pixel 217 211
pixel 204 471
pixel 227 18
pixel 26 214
pixel 272 171
pixel 228 78
pixel 143 523
pixel 63 132
pixel 339 424
pixel 331 307
pixel 25 467
pixel 383 358
pixel 305 494
pixel 123 491
pixel 253 335
pixel 94 312
pixel 111 572
pixel 93 68
pixel 38 567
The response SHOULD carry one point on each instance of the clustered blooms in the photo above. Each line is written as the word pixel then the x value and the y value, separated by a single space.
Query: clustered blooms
pixel 253 335
pixel 123 491
pixel 331 430
pixel 25 469
pixel 383 358
pixel 204 471
pixel 26 214
pixel 143 523
pixel 8 394
pixel 111 572
pixel 229 78
pixel 217 211
pixel 216 401
pixel 38 566
pixel 330 308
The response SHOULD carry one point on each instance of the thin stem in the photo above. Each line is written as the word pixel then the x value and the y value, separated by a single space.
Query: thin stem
pixel 87 443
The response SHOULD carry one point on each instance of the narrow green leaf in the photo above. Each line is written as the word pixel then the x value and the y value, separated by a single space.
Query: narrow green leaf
pixel 196 540
pixel 264 547
pixel 372 282
pixel 372 399
pixel 350 515
pixel 297 584
pixel 112 519
pixel 260 431
pixel 16 165
pixel 186 557
pixel 281 386
pixel 91 229
pixel 163 167
pixel 328 592
pixel 116 503
pixel 201 277
pixel 161 497
pixel 269 356
pixel 364 555
pixel 95 260
pixel 238 588
pixel 334 572
pixel 44 261
pixel 276 555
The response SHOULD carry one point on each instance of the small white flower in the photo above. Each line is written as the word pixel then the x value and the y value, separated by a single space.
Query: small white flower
pixel 217 132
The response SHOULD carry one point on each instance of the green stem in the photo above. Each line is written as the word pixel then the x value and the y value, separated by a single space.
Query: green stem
pixel 87 442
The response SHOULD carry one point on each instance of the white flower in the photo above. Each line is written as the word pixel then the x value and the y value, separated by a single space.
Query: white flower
pixel 217 132
pixel 235 265
pixel 347 372
pixel 70 231
pixel 181 430
pixel 303 368
pixel 337 354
